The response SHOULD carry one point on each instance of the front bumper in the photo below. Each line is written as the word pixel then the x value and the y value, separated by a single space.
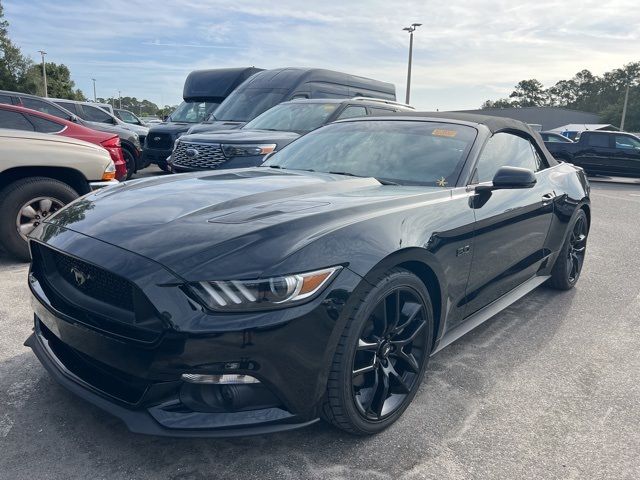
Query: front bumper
pixel 138 377
pixel 101 184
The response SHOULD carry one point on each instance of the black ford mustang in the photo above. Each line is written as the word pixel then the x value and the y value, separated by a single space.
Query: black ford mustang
pixel 318 285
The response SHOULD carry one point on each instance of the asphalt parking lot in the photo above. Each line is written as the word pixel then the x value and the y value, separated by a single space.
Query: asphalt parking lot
pixel 550 388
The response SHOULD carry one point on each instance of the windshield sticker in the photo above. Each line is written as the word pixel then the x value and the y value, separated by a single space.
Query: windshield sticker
pixel 440 132
pixel 442 182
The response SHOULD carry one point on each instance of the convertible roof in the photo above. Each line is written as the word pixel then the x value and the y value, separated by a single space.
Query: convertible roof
pixel 494 124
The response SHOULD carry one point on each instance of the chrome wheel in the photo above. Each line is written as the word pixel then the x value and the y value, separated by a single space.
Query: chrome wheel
pixel 33 212
pixel 390 354
pixel 577 248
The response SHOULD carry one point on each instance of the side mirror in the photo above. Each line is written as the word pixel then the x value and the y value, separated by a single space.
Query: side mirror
pixel 510 178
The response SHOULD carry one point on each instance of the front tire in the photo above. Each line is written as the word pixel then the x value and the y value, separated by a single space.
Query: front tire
pixel 24 204
pixel 566 271
pixel 381 356
pixel 130 160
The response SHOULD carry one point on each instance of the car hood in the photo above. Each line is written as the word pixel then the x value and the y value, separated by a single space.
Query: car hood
pixel 121 132
pixel 215 126
pixel 241 136
pixel 170 127
pixel 221 222
pixel 139 129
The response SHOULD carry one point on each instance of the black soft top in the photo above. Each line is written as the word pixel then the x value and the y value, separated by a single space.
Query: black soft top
pixel 494 124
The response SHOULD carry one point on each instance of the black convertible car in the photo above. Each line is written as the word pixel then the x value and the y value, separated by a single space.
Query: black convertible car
pixel 317 285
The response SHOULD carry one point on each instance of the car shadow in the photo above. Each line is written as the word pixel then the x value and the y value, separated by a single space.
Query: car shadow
pixel 42 420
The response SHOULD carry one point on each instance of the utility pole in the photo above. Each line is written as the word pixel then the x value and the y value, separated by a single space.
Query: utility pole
pixel 624 108
pixel 120 99
pixel 410 29
pixel 95 98
pixel 44 72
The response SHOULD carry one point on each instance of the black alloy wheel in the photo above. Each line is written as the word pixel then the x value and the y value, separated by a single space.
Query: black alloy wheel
pixel 130 161
pixel 382 354
pixel 566 271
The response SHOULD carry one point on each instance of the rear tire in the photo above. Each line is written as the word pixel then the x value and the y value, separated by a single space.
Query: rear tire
pixel 13 201
pixel 130 160
pixel 566 271
pixel 381 356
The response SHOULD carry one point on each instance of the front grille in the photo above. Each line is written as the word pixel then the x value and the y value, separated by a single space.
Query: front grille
pixel 159 140
pixel 198 155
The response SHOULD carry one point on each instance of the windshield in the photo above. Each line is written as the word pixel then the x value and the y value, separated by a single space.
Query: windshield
pixel 193 112
pixel 294 117
pixel 247 104
pixel 404 152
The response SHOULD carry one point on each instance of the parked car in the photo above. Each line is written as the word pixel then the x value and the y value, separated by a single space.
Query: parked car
pixel 555 137
pixel 315 285
pixel 39 174
pixel 271 87
pixel 270 131
pixel 91 112
pixel 129 117
pixel 129 140
pixel 601 153
pixel 20 118
pixel 203 91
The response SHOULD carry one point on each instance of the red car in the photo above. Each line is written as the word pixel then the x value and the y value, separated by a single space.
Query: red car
pixel 20 118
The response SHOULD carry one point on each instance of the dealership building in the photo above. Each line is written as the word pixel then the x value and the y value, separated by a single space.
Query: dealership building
pixel 547 118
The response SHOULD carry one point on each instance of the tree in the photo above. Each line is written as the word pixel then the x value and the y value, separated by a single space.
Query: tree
pixel 501 103
pixel 59 83
pixel 529 93
pixel 13 65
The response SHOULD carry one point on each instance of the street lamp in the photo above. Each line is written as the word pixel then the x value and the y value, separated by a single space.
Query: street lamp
pixel 120 99
pixel 410 29
pixel 44 72
pixel 95 99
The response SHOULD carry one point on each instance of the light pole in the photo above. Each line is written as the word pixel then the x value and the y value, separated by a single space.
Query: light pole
pixel 95 99
pixel 624 108
pixel 120 99
pixel 44 72
pixel 410 29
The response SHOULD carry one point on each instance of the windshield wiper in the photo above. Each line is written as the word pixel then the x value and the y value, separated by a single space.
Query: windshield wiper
pixel 345 173
pixel 381 180
pixel 273 166
pixel 385 182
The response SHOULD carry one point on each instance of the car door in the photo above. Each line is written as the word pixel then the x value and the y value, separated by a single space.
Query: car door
pixel 511 226
pixel 594 153
pixel 626 155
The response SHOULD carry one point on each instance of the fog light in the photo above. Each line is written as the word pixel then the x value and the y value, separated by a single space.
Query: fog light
pixel 226 379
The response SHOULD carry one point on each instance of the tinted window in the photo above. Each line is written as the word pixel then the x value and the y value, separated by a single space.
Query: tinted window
pixel 128 117
pixel 627 143
pixel 42 106
pixel 5 99
pixel 596 140
pixel 96 114
pixel 505 149
pixel 380 111
pixel 353 111
pixel 548 137
pixel 411 153
pixel 294 117
pixel 193 112
pixel 69 106
pixel 247 104
pixel 14 120
pixel 45 126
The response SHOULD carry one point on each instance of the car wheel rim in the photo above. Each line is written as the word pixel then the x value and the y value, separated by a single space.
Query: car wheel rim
pixel 577 247
pixel 34 212
pixel 390 354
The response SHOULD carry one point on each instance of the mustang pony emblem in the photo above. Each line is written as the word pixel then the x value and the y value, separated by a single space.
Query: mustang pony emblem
pixel 80 277
pixel 442 182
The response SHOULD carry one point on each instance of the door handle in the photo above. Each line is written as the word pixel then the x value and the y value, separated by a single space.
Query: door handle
pixel 547 198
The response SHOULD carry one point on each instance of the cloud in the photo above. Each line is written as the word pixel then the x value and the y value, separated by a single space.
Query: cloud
pixel 464 53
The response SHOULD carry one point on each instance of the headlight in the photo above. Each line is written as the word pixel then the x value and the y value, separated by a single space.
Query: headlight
pixel 231 150
pixel 262 294
pixel 109 172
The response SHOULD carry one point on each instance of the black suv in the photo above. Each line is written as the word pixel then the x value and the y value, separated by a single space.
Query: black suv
pixel 275 128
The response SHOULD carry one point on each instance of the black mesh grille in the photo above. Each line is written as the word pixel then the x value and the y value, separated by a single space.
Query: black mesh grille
pixel 93 281
pixel 159 140
pixel 198 155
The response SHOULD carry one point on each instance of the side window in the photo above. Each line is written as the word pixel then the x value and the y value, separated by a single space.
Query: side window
pixel 14 120
pixel 380 111
pixel 42 106
pixel 5 99
pixel 352 111
pixel 506 149
pixel 624 142
pixel 95 114
pixel 596 140
pixel 45 126
pixel 69 106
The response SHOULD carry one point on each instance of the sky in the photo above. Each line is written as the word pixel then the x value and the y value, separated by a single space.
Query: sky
pixel 464 53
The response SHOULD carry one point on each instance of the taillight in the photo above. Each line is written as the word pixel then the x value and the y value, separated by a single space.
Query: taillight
pixel 113 146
